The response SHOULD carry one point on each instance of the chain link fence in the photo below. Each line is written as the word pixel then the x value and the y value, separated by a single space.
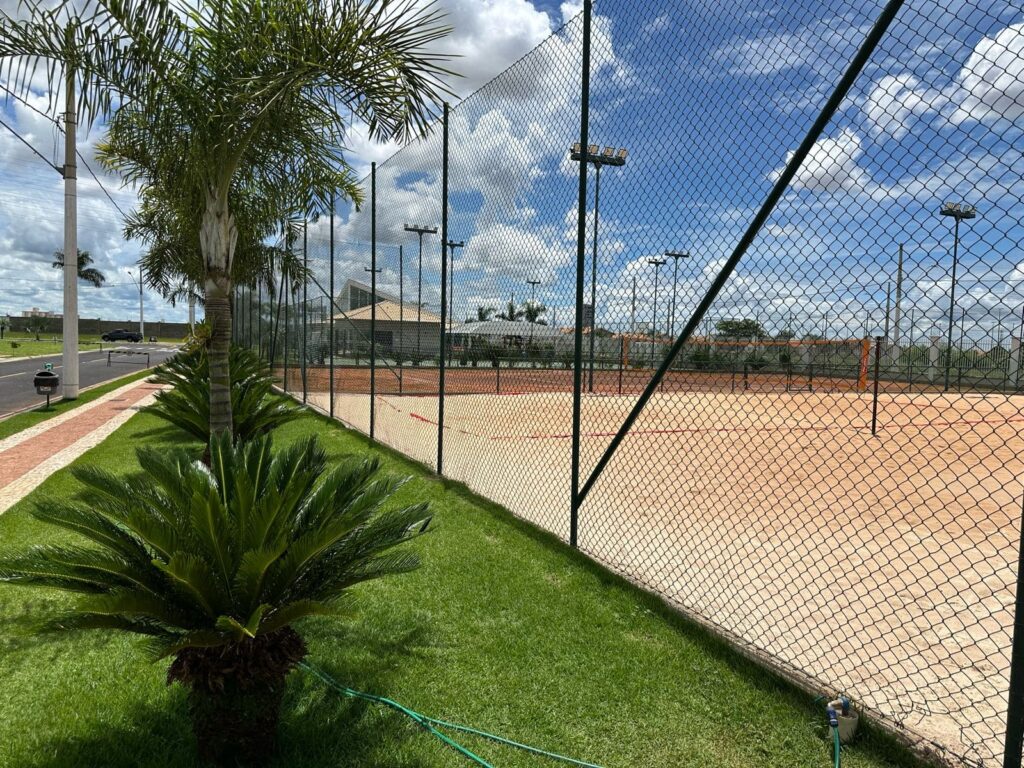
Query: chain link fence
pixel 773 375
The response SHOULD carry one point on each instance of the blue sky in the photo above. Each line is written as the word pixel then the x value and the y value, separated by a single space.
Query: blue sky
pixel 710 101
pixel 709 98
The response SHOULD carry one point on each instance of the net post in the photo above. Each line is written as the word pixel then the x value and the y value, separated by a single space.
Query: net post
pixel 373 299
pixel 874 399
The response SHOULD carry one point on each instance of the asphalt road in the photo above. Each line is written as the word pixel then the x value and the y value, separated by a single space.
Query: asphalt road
pixel 17 391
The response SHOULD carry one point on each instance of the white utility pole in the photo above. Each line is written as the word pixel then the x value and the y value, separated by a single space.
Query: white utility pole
pixel 191 312
pixel 69 357
pixel 142 324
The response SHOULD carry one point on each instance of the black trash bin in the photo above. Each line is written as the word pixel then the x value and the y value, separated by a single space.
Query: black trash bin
pixel 46 383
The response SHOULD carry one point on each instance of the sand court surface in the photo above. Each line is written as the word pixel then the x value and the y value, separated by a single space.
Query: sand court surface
pixel 879 565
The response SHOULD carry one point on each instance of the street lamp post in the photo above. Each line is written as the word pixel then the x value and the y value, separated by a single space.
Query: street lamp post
pixel 595 157
pixel 421 231
pixel 959 212
pixel 452 245
pixel 657 264
pixel 676 256
pixel 533 290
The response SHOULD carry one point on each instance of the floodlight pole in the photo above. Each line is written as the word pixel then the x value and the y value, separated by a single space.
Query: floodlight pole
pixel 958 212
pixel 676 256
pixel 657 264
pixel 421 231
pixel 593 157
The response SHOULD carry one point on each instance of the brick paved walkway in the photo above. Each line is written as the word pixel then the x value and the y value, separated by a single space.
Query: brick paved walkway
pixel 30 456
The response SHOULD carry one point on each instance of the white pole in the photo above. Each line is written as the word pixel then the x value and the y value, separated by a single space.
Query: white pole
pixel 69 357
pixel 142 324
pixel 191 311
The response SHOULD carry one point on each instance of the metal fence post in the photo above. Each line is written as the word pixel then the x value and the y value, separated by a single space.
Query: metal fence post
pixel 581 244
pixel 330 322
pixel 1014 745
pixel 401 316
pixel 305 311
pixel 287 288
pixel 373 297
pixel 444 294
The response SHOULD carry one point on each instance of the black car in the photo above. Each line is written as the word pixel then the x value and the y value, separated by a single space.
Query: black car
pixel 122 335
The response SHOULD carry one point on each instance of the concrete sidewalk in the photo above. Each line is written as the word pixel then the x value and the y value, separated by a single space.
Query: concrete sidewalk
pixel 30 456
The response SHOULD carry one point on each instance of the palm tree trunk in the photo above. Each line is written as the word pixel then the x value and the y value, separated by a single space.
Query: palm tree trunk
pixel 217 240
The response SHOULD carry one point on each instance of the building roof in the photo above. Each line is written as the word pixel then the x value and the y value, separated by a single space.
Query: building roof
pixel 503 328
pixel 390 311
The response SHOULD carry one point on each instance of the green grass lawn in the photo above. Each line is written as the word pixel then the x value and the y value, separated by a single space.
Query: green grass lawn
pixel 27 419
pixel 52 345
pixel 503 628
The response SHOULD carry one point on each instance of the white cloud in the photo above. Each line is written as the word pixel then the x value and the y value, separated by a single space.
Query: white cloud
pixel 517 254
pixel 894 103
pixel 831 165
pixel 991 84
pixel 488 35
pixel 571 9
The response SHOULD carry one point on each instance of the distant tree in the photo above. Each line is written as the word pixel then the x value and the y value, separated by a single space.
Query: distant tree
pixel 785 335
pixel 740 329
pixel 483 314
pixel 511 312
pixel 85 272
pixel 533 312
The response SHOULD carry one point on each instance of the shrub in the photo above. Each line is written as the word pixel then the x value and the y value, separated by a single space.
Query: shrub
pixel 255 408
pixel 214 565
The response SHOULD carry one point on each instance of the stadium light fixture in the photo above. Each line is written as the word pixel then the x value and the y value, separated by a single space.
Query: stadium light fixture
pixel 958 212
pixel 675 256
pixel 657 264
pixel 421 231
pixel 593 156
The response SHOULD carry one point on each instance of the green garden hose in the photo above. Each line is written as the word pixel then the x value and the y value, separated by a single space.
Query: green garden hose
pixel 835 739
pixel 429 723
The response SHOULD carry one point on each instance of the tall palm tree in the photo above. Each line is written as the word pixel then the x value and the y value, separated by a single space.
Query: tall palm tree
pixel 214 99
pixel 511 312
pixel 533 312
pixel 85 272
pixel 483 314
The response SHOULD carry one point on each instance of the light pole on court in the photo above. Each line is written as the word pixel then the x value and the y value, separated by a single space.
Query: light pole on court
pixel 675 256
pixel 958 212
pixel 657 264
pixel 594 156
pixel 421 231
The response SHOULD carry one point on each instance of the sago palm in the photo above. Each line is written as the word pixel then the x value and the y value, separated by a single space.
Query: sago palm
pixel 213 565
pixel 257 409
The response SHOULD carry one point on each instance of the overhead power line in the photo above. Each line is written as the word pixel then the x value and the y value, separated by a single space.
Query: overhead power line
pixel 60 128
